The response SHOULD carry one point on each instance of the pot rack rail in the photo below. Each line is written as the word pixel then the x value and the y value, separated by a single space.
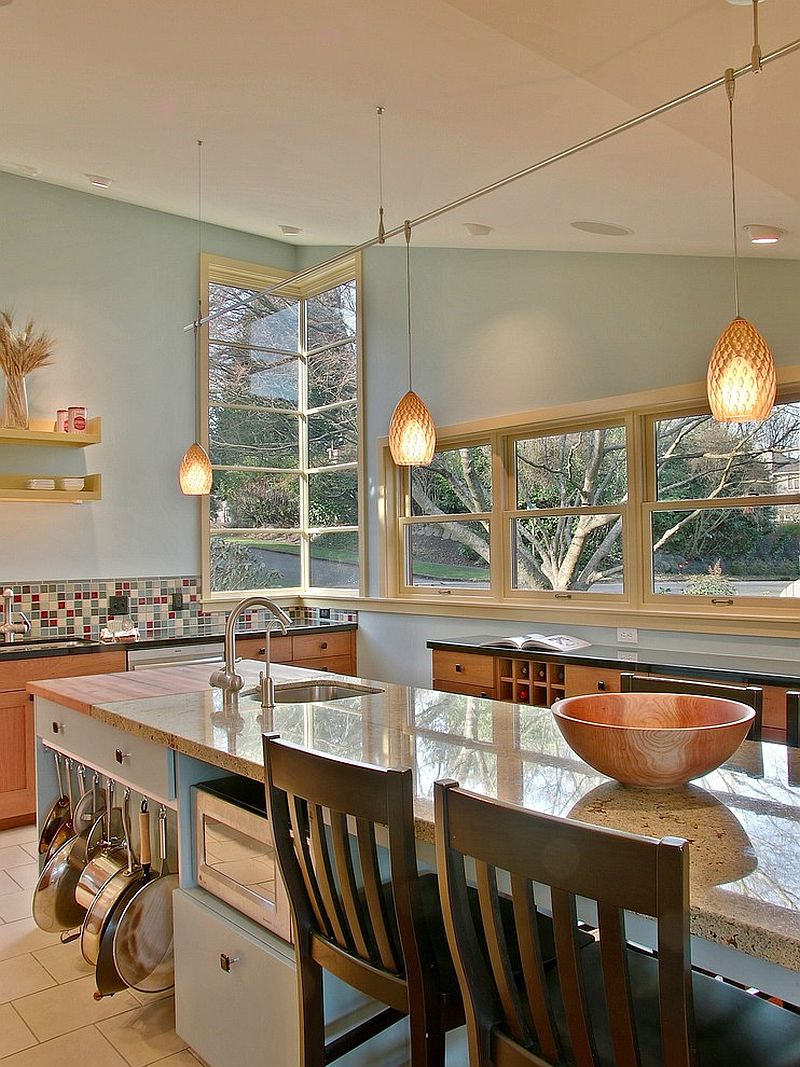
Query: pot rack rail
pixel 756 64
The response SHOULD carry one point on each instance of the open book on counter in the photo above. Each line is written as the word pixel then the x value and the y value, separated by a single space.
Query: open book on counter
pixel 543 642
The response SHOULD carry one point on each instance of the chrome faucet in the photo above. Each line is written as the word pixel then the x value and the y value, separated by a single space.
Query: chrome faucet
pixel 228 680
pixel 10 629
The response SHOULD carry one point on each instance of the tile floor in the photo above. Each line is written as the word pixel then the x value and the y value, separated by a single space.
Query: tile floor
pixel 47 1013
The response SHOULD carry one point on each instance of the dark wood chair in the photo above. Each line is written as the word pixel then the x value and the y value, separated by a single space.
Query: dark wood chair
pixel 793 719
pixel 752 695
pixel 377 935
pixel 607 1005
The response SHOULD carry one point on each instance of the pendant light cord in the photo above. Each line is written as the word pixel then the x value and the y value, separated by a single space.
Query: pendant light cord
pixel 730 88
pixel 381 228
pixel 407 232
pixel 199 297
pixel 755 55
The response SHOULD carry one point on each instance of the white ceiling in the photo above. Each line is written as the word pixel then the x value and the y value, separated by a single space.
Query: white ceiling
pixel 284 97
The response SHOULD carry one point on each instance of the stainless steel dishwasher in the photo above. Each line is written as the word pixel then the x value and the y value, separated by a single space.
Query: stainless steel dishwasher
pixel 176 652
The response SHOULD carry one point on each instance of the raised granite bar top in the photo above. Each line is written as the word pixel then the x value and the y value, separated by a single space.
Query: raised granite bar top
pixel 743 820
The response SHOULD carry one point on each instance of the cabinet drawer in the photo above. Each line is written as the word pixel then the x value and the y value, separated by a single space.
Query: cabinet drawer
pixel 312 646
pixel 461 667
pixel 245 1015
pixel 444 685
pixel 333 664
pixel 582 680
pixel 14 674
pixel 145 766
pixel 280 648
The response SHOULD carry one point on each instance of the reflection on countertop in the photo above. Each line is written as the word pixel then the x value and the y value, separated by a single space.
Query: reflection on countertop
pixel 743 820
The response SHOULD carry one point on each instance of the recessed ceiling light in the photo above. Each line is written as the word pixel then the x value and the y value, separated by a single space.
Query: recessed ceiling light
pixel 743 3
pixel 477 229
pixel 98 181
pixel 21 168
pixel 290 231
pixel 763 235
pixel 605 229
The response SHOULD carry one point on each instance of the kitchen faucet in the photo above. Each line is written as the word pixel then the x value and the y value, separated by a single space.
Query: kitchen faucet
pixel 228 680
pixel 10 629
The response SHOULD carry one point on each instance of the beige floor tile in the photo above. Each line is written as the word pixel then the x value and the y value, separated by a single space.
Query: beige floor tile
pixel 64 962
pixel 7 883
pixel 180 1059
pixel 31 848
pixel 20 835
pixel 26 876
pixel 13 856
pixel 20 976
pixel 82 1046
pixel 145 1035
pixel 14 1034
pixel 15 905
pixel 67 1007
pixel 23 936
pixel 149 998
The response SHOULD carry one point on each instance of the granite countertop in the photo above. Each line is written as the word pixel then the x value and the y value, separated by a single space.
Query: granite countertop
pixel 743 820
pixel 71 646
pixel 785 672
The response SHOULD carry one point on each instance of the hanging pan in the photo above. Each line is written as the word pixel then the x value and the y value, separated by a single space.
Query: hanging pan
pixel 57 814
pixel 142 943
pixel 104 860
pixel 54 903
pixel 66 830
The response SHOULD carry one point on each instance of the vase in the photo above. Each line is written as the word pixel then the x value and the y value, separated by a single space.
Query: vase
pixel 15 407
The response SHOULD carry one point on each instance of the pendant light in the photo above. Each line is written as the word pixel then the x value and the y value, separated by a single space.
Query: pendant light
pixel 194 473
pixel 741 379
pixel 412 434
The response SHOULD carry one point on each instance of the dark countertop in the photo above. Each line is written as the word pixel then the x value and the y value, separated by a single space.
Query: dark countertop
pixel 76 646
pixel 733 668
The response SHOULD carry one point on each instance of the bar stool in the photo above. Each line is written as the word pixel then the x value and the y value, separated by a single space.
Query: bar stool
pixel 607 1005
pixel 377 934
pixel 751 695
pixel 793 719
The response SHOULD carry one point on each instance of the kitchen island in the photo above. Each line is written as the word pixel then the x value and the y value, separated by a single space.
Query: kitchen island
pixel 743 820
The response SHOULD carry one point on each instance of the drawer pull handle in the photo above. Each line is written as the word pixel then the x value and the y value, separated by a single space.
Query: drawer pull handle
pixel 601 686
pixel 262 651
pixel 121 756
pixel 58 727
pixel 563 596
pixel 226 962
pixel 459 669
pixel 323 645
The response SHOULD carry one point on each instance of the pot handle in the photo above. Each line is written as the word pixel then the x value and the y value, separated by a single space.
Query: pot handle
pixel 109 805
pixel 145 849
pixel 126 827
pixel 68 768
pixel 57 758
pixel 162 837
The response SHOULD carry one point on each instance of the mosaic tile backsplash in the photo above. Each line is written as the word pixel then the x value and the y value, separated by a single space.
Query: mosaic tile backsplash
pixel 61 608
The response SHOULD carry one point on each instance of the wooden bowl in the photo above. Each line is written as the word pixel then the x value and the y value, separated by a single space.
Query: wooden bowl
pixel 655 740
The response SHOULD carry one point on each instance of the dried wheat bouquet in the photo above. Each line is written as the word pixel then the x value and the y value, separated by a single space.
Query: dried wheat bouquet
pixel 21 353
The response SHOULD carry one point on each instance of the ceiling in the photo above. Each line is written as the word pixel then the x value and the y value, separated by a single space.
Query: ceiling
pixel 284 97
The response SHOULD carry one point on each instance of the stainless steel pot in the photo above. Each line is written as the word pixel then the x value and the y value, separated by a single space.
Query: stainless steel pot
pixel 58 813
pixel 108 858
pixel 54 904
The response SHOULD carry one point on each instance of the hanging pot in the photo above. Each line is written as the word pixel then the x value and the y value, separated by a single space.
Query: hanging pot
pixel 87 807
pixel 143 938
pixel 105 860
pixel 66 829
pixel 57 814
pixel 54 904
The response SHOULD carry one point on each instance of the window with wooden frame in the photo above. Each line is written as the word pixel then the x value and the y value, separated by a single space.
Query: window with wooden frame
pixel 280 391
pixel 721 516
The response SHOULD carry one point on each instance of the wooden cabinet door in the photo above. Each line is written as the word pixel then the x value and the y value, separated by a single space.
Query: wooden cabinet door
pixel 17 759
pixel 463 668
pixel 582 680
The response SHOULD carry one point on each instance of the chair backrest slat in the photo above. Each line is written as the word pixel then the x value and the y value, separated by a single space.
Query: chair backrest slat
pixel 570 858
pixel 376 902
pixel 299 818
pixel 751 695
pixel 326 880
pixel 617 985
pixel 531 958
pixel 499 959
pixel 570 977
pixel 359 931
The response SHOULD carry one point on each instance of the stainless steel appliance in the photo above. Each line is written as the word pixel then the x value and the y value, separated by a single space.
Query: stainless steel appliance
pixel 234 854
pixel 176 652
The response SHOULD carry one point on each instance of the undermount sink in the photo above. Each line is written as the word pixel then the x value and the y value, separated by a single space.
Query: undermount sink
pixel 44 643
pixel 308 692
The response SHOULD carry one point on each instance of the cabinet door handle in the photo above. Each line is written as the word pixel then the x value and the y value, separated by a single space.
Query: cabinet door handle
pixel 323 645
pixel 58 727
pixel 121 756
pixel 459 669
pixel 601 686
pixel 226 962
pixel 262 651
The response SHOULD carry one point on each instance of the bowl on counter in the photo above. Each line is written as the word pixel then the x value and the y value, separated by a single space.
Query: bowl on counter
pixel 654 740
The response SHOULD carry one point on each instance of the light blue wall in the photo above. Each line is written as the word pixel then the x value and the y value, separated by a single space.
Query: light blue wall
pixel 114 284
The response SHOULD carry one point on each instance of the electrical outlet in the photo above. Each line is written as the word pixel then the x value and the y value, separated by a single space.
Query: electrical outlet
pixel 118 605
pixel 325 613
pixel 627 636
pixel 176 601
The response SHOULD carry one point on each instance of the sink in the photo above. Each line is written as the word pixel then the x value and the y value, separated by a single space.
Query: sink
pixel 307 692
pixel 44 644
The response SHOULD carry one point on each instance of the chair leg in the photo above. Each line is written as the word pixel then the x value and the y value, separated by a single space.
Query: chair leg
pixel 427 1039
pixel 312 1013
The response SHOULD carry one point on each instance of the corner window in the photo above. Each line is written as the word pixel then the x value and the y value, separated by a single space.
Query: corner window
pixel 283 432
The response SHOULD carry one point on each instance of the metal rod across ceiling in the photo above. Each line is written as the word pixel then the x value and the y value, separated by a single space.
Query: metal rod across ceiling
pixel 565 153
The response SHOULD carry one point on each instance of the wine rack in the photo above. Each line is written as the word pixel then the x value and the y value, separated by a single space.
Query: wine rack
pixel 530 681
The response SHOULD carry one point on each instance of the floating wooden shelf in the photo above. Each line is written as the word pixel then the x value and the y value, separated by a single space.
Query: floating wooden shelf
pixel 42 433
pixel 12 487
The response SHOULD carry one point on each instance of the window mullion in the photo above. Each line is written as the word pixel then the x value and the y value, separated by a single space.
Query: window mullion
pixel 305 548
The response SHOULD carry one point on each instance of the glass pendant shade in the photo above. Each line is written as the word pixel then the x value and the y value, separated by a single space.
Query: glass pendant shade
pixel 741 375
pixel 194 473
pixel 412 434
